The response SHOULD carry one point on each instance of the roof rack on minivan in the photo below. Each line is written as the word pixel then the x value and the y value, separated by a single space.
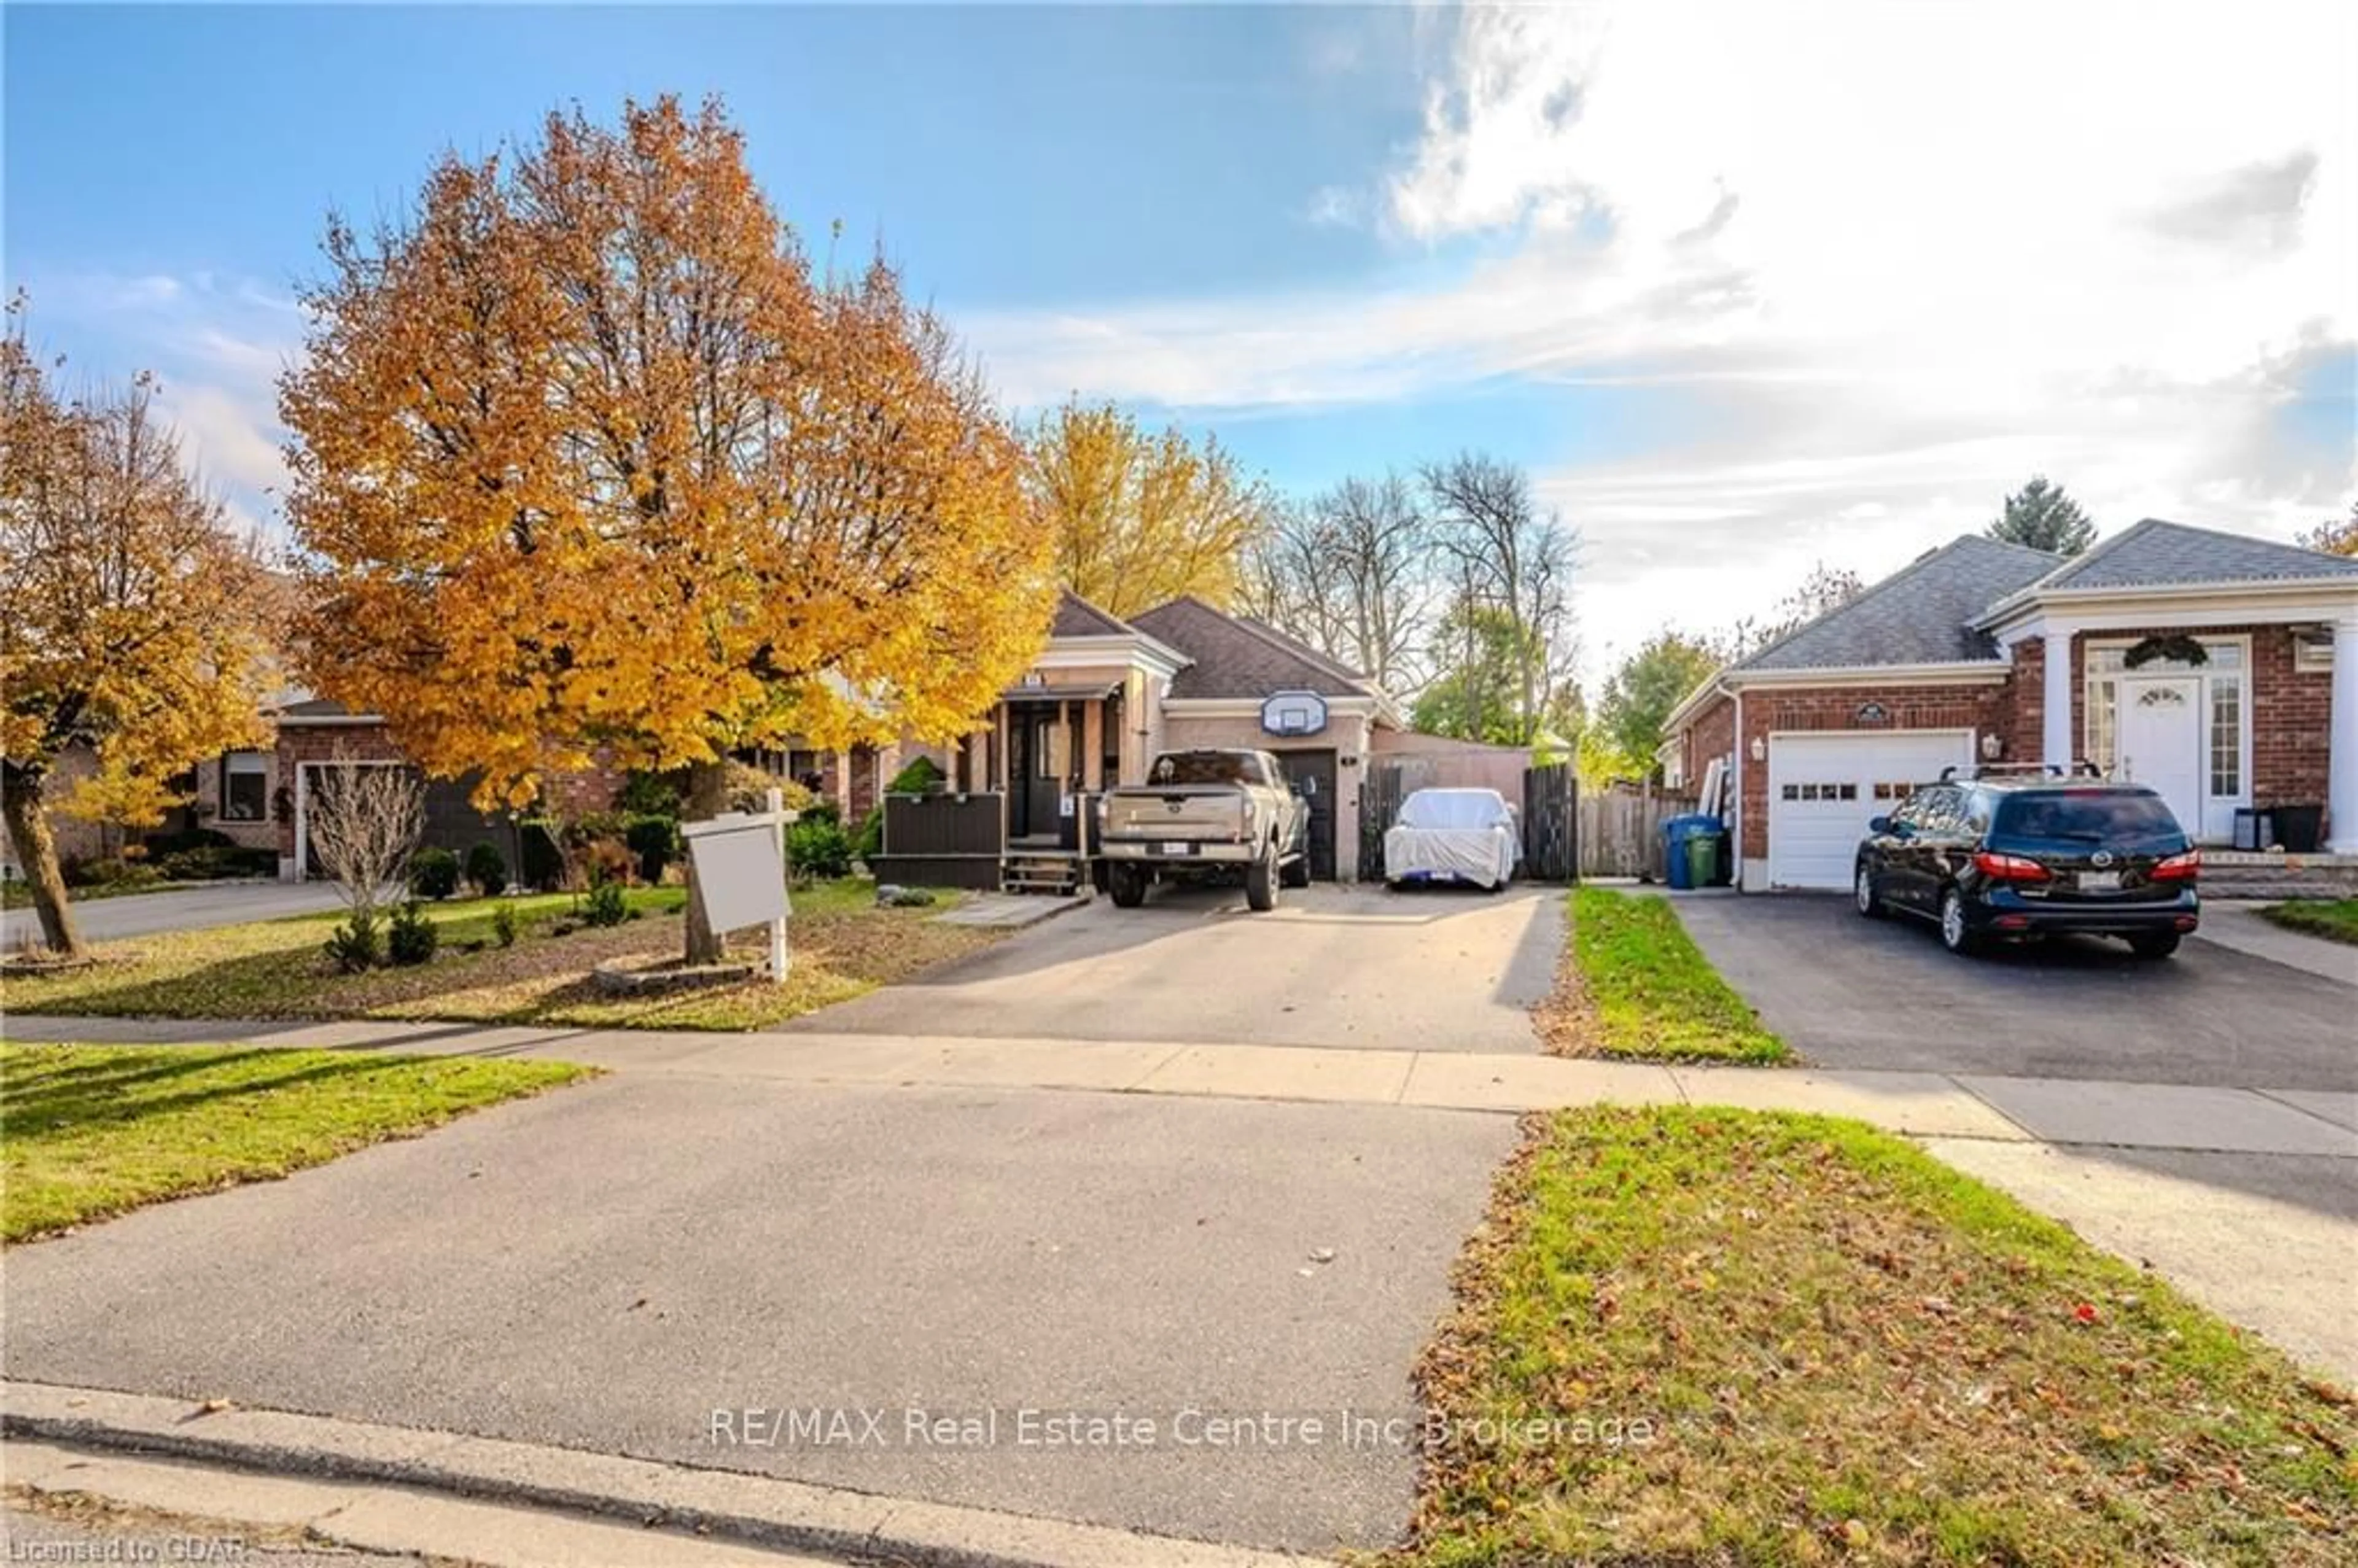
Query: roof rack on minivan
pixel 2082 769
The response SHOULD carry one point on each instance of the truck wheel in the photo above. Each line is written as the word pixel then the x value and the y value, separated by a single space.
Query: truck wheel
pixel 1127 884
pixel 1260 882
pixel 1297 872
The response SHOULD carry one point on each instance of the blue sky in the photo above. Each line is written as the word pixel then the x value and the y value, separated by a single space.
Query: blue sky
pixel 1743 293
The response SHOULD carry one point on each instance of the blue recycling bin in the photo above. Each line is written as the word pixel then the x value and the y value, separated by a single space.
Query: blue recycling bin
pixel 1676 858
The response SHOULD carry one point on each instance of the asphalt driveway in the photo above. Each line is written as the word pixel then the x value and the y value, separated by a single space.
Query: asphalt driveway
pixel 182 909
pixel 1848 992
pixel 1444 969
pixel 606 1267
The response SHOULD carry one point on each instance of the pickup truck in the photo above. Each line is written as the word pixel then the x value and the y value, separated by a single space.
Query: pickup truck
pixel 1201 814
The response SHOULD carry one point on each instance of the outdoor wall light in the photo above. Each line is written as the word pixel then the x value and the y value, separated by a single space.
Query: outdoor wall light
pixel 1991 746
pixel 1759 750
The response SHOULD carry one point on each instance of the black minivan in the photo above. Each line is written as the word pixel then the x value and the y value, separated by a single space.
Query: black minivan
pixel 1993 856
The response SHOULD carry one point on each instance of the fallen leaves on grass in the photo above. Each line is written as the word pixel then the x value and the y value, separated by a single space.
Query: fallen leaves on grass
pixel 1841 1351
pixel 1631 984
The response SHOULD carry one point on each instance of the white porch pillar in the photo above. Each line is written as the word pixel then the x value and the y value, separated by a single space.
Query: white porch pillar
pixel 2056 748
pixel 2341 738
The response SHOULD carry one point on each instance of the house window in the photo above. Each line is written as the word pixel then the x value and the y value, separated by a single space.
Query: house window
pixel 244 786
pixel 2227 737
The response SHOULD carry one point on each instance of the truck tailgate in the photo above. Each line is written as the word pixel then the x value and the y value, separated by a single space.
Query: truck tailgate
pixel 1177 812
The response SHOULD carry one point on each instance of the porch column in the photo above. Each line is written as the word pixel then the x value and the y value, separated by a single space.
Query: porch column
pixel 2342 740
pixel 2056 748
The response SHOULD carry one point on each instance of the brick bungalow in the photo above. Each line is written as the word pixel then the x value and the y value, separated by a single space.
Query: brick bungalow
pixel 1106 693
pixel 2220 669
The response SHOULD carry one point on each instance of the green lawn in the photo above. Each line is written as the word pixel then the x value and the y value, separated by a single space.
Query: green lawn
pixel 1841 1352
pixel 1633 985
pixel 95 1129
pixel 842 943
pixel 2336 918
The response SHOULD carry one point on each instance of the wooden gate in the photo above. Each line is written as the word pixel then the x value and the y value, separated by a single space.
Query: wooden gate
pixel 1550 824
pixel 1379 802
pixel 1620 831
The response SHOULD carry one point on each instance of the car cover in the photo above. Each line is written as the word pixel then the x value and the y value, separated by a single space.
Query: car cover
pixel 1467 835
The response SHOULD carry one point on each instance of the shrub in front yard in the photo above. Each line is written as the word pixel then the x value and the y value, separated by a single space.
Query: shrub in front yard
pixel 112 874
pixel 434 873
pixel 505 926
pixel 411 938
pixel 543 862
pixel 655 841
pixel 607 904
pixel 356 945
pixel 488 870
pixel 818 847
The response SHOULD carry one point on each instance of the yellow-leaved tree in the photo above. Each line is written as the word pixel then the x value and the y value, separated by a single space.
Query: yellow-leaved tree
pixel 1141 518
pixel 587 467
pixel 134 619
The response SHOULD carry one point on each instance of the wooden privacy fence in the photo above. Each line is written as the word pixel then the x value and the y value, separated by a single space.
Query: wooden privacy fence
pixel 1620 830
pixel 1551 823
pixel 941 840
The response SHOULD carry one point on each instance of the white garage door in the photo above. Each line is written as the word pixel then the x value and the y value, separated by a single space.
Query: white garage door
pixel 1823 788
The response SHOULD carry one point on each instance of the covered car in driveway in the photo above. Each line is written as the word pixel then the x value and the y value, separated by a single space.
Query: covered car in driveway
pixel 1454 836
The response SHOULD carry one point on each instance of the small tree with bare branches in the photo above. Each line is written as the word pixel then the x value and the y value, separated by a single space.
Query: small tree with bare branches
pixel 364 819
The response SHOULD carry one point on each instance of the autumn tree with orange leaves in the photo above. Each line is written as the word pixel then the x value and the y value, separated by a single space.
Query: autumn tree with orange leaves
pixel 1141 518
pixel 590 468
pixel 134 618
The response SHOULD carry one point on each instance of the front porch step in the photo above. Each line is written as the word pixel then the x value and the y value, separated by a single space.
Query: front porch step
pixel 1059 875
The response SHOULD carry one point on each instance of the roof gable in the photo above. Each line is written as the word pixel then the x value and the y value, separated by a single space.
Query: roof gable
pixel 1076 617
pixel 2156 554
pixel 1236 657
pixel 1921 614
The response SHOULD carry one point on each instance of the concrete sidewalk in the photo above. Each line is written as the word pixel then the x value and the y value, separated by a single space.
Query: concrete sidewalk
pixel 2241 926
pixel 449 1497
pixel 2307 1123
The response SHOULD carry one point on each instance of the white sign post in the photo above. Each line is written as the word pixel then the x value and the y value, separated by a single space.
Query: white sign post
pixel 740 861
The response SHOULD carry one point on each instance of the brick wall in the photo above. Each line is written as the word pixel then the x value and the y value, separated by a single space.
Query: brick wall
pixel 1768 711
pixel 301 743
pixel 2026 734
pixel 1710 734
pixel 76 840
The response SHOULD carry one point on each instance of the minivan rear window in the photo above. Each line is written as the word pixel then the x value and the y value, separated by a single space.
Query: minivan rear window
pixel 2090 814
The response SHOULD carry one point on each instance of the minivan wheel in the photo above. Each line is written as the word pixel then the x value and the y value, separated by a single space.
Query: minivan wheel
pixel 2154 944
pixel 1955 935
pixel 1862 895
pixel 1260 882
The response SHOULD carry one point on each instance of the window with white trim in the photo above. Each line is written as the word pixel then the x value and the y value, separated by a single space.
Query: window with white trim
pixel 244 786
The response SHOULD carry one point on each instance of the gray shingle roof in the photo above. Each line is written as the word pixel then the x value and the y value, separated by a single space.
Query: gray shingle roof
pixel 1240 657
pixel 1076 617
pixel 2155 553
pixel 1920 615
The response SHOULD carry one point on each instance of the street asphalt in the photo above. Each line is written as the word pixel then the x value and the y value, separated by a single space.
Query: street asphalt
pixel 1444 969
pixel 182 909
pixel 607 1267
pixel 1854 993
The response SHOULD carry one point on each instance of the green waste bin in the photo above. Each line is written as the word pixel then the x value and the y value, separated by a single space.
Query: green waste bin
pixel 1703 860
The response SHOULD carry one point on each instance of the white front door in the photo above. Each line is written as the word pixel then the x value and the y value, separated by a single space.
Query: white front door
pixel 2161 742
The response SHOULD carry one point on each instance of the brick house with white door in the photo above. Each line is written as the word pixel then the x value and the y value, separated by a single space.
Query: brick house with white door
pixel 2220 669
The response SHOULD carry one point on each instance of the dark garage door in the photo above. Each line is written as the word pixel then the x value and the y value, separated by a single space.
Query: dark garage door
pixel 1314 772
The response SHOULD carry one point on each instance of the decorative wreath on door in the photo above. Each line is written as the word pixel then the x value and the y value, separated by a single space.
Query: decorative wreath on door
pixel 2178 650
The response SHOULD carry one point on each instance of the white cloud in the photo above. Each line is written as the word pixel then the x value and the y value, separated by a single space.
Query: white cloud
pixel 1898 257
